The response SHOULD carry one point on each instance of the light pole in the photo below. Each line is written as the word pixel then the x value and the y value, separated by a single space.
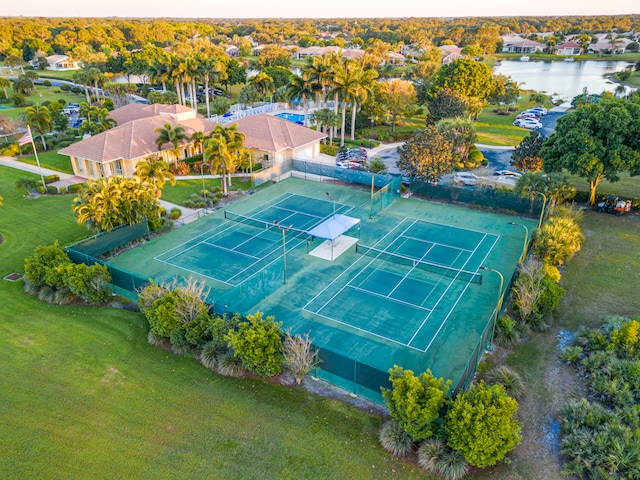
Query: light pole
pixel 526 239
pixel 544 203
pixel 498 307
pixel 334 204
pixel 284 247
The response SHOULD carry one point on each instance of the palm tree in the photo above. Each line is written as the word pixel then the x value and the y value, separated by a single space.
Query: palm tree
pixel 362 89
pixel 327 119
pixel 97 119
pixel 4 84
pixel 81 77
pixel 263 84
pixel 156 173
pixel 26 184
pixel 345 87
pixel 303 89
pixel 197 140
pixel 39 118
pixel 98 79
pixel 319 71
pixel 174 136
pixel 222 150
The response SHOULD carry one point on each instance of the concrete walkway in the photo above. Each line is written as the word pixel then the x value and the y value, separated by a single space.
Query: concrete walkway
pixel 12 162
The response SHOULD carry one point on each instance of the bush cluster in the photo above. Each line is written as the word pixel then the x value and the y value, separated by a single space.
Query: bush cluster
pixel 53 277
pixel 600 434
pixel 478 427
pixel 179 316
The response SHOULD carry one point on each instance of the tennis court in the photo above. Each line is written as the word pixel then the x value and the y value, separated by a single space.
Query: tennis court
pixel 404 287
pixel 237 249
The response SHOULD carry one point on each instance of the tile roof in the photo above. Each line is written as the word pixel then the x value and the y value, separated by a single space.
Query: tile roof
pixel 134 139
pixel 273 134
pixel 136 111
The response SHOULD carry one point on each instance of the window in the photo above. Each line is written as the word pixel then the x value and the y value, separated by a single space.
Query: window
pixel 117 167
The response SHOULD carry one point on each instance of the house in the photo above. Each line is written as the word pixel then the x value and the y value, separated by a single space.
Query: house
pixel 60 62
pixel 569 48
pixel 353 54
pixel 609 45
pixel 117 151
pixel 232 51
pixel 392 58
pixel 450 53
pixel 316 51
pixel 275 140
pixel 521 45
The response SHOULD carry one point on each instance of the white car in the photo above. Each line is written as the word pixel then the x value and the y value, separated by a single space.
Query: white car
pixel 508 173
pixel 528 123
pixel 354 165
pixel 539 110
pixel 465 178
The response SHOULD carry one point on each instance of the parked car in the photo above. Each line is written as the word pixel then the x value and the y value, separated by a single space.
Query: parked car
pixel 540 110
pixel 465 178
pixel 528 123
pixel 508 173
pixel 349 164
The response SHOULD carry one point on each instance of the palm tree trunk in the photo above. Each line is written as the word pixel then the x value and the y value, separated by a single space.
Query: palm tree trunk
pixel 335 110
pixel 86 93
pixel 178 91
pixel 44 144
pixel 306 110
pixel 206 94
pixel 353 120
pixel 344 121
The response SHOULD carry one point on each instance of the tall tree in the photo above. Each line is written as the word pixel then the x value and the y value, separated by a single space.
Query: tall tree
pixel 526 156
pixel 171 135
pixel 446 104
pixel 427 155
pixel 465 76
pixel 397 97
pixel 596 142
pixel 4 84
pixel 300 89
pixel 460 133
pixel 263 83
pixel 39 118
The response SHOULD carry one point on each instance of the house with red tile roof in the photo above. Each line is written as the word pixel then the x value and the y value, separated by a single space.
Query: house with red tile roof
pixel 118 150
pixel 569 48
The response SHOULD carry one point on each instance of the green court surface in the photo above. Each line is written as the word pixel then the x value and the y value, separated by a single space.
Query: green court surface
pixel 411 293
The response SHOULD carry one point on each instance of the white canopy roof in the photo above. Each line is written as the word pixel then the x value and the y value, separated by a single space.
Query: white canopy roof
pixel 333 227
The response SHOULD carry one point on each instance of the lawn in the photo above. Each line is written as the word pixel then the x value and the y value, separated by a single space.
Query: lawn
pixel 52 160
pixel 626 187
pixel 42 94
pixel 83 395
pixel 181 191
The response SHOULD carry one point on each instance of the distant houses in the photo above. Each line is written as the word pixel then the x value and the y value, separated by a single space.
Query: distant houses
pixel 58 62
pixel 568 48
pixel 515 44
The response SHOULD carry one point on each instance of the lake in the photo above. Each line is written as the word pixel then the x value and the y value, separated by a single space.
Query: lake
pixel 562 79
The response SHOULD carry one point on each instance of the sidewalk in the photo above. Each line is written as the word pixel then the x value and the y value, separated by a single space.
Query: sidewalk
pixel 12 162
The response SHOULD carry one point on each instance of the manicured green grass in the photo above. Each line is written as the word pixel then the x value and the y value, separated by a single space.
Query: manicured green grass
pixel 626 187
pixel 42 94
pixel 181 191
pixel 52 160
pixel 82 394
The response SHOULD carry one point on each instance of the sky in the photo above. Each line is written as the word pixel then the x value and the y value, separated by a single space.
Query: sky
pixel 312 9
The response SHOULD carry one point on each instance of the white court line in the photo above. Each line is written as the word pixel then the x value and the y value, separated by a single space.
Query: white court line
pixel 225 249
pixel 452 247
pixel 459 297
pixel 345 271
pixel 365 331
pixel 387 297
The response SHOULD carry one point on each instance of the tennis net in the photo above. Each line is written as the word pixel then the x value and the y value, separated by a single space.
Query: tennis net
pixel 451 272
pixel 256 222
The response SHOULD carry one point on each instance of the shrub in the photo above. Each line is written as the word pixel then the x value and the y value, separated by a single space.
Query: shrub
pixel 65 87
pixel 299 355
pixel 180 168
pixel 211 353
pixel 46 83
pixel 558 240
pixel 506 333
pixel 438 459
pixel 76 89
pixel 508 378
pixel 230 365
pixel 571 354
pixel 394 439
pixel 415 402
pixel 480 424
pixel 63 190
pixel 175 213
pixel 258 343
pixel 75 188
pixel 51 178
pixel 550 297
pixel 51 190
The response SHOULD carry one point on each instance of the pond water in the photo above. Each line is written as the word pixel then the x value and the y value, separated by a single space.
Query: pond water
pixel 563 79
